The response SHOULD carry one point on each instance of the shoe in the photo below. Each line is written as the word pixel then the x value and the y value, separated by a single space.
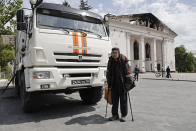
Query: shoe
pixel 113 118
pixel 123 119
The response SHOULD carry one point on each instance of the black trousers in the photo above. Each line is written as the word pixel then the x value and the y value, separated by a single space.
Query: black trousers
pixel 136 76
pixel 168 75
pixel 117 95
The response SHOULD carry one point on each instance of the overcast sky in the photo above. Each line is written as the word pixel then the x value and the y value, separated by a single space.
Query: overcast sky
pixel 179 15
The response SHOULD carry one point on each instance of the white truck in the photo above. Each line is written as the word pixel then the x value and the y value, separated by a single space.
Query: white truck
pixel 60 49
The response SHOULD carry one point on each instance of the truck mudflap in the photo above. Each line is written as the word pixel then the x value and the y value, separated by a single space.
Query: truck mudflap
pixel 40 79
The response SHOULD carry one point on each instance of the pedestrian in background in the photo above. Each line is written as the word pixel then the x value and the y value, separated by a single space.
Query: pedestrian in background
pixel 137 70
pixel 168 72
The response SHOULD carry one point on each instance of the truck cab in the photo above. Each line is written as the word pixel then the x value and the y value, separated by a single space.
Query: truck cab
pixel 60 49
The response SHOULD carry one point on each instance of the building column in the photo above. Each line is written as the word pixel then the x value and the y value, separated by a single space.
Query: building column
pixel 128 47
pixel 164 64
pixel 154 55
pixel 132 52
pixel 142 54
pixel 131 49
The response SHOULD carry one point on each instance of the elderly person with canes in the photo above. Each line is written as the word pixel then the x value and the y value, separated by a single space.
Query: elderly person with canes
pixel 117 72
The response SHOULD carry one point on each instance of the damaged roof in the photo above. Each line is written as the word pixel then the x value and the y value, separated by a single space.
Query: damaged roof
pixel 144 19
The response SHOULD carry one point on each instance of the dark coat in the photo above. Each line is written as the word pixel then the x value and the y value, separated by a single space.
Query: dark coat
pixel 123 70
pixel 137 70
pixel 168 70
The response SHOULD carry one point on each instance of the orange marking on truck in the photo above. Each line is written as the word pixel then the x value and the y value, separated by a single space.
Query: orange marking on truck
pixel 77 50
pixel 73 34
pixel 82 39
pixel 85 44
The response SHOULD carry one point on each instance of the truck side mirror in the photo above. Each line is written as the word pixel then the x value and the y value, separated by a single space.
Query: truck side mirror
pixel 20 16
pixel 21 25
pixel 105 20
pixel 108 30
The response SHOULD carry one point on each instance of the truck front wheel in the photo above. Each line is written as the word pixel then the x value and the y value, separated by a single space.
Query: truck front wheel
pixel 27 98
pixel 91 95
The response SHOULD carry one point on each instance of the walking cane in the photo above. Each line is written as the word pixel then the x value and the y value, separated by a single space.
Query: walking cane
pixel 130 107
pixel 107 104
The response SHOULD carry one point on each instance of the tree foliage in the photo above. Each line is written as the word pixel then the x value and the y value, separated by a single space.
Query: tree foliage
pixel 195 65
pixel 84 5
pixel 190 63
pixel 185 61
pixel 65 3
pixel 8 9
pixel 6 55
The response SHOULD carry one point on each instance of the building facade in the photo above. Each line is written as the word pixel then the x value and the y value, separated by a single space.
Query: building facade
pixel 144 39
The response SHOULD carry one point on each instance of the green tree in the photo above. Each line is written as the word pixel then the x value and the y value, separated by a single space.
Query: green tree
pixel 190 62
pixel 180 56
pixel 8 9
pixel 195 65
pixel 184 61
pixel 65 3
pixel 84 5
pixel 6 55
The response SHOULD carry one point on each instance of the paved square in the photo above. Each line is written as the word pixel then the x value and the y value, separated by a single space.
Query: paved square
pixel 158 105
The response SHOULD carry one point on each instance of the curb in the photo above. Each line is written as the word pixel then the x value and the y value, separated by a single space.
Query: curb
pixel 169 79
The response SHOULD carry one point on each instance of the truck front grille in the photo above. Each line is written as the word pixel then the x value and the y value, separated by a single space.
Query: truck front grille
pixel 77 58
pixel 71 54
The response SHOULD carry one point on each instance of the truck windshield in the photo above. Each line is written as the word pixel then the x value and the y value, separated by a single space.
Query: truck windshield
pixel 72 24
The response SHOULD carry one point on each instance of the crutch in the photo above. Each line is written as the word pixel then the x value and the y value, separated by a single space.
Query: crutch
pixel 130 107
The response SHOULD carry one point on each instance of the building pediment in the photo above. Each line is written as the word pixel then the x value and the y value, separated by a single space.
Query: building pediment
pixel 146 20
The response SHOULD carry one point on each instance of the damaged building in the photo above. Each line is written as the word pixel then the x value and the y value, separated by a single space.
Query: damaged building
pixel 144 39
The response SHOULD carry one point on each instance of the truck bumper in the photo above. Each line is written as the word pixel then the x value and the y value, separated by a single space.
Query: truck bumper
pixel 60 78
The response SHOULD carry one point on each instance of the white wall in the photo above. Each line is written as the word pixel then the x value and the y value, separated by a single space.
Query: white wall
pixel 118 39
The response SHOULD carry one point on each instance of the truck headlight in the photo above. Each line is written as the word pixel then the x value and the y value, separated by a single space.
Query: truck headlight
pixel 41 75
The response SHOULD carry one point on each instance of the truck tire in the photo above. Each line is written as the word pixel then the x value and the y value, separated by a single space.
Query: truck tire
pixel 91 95
pixel 27 98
